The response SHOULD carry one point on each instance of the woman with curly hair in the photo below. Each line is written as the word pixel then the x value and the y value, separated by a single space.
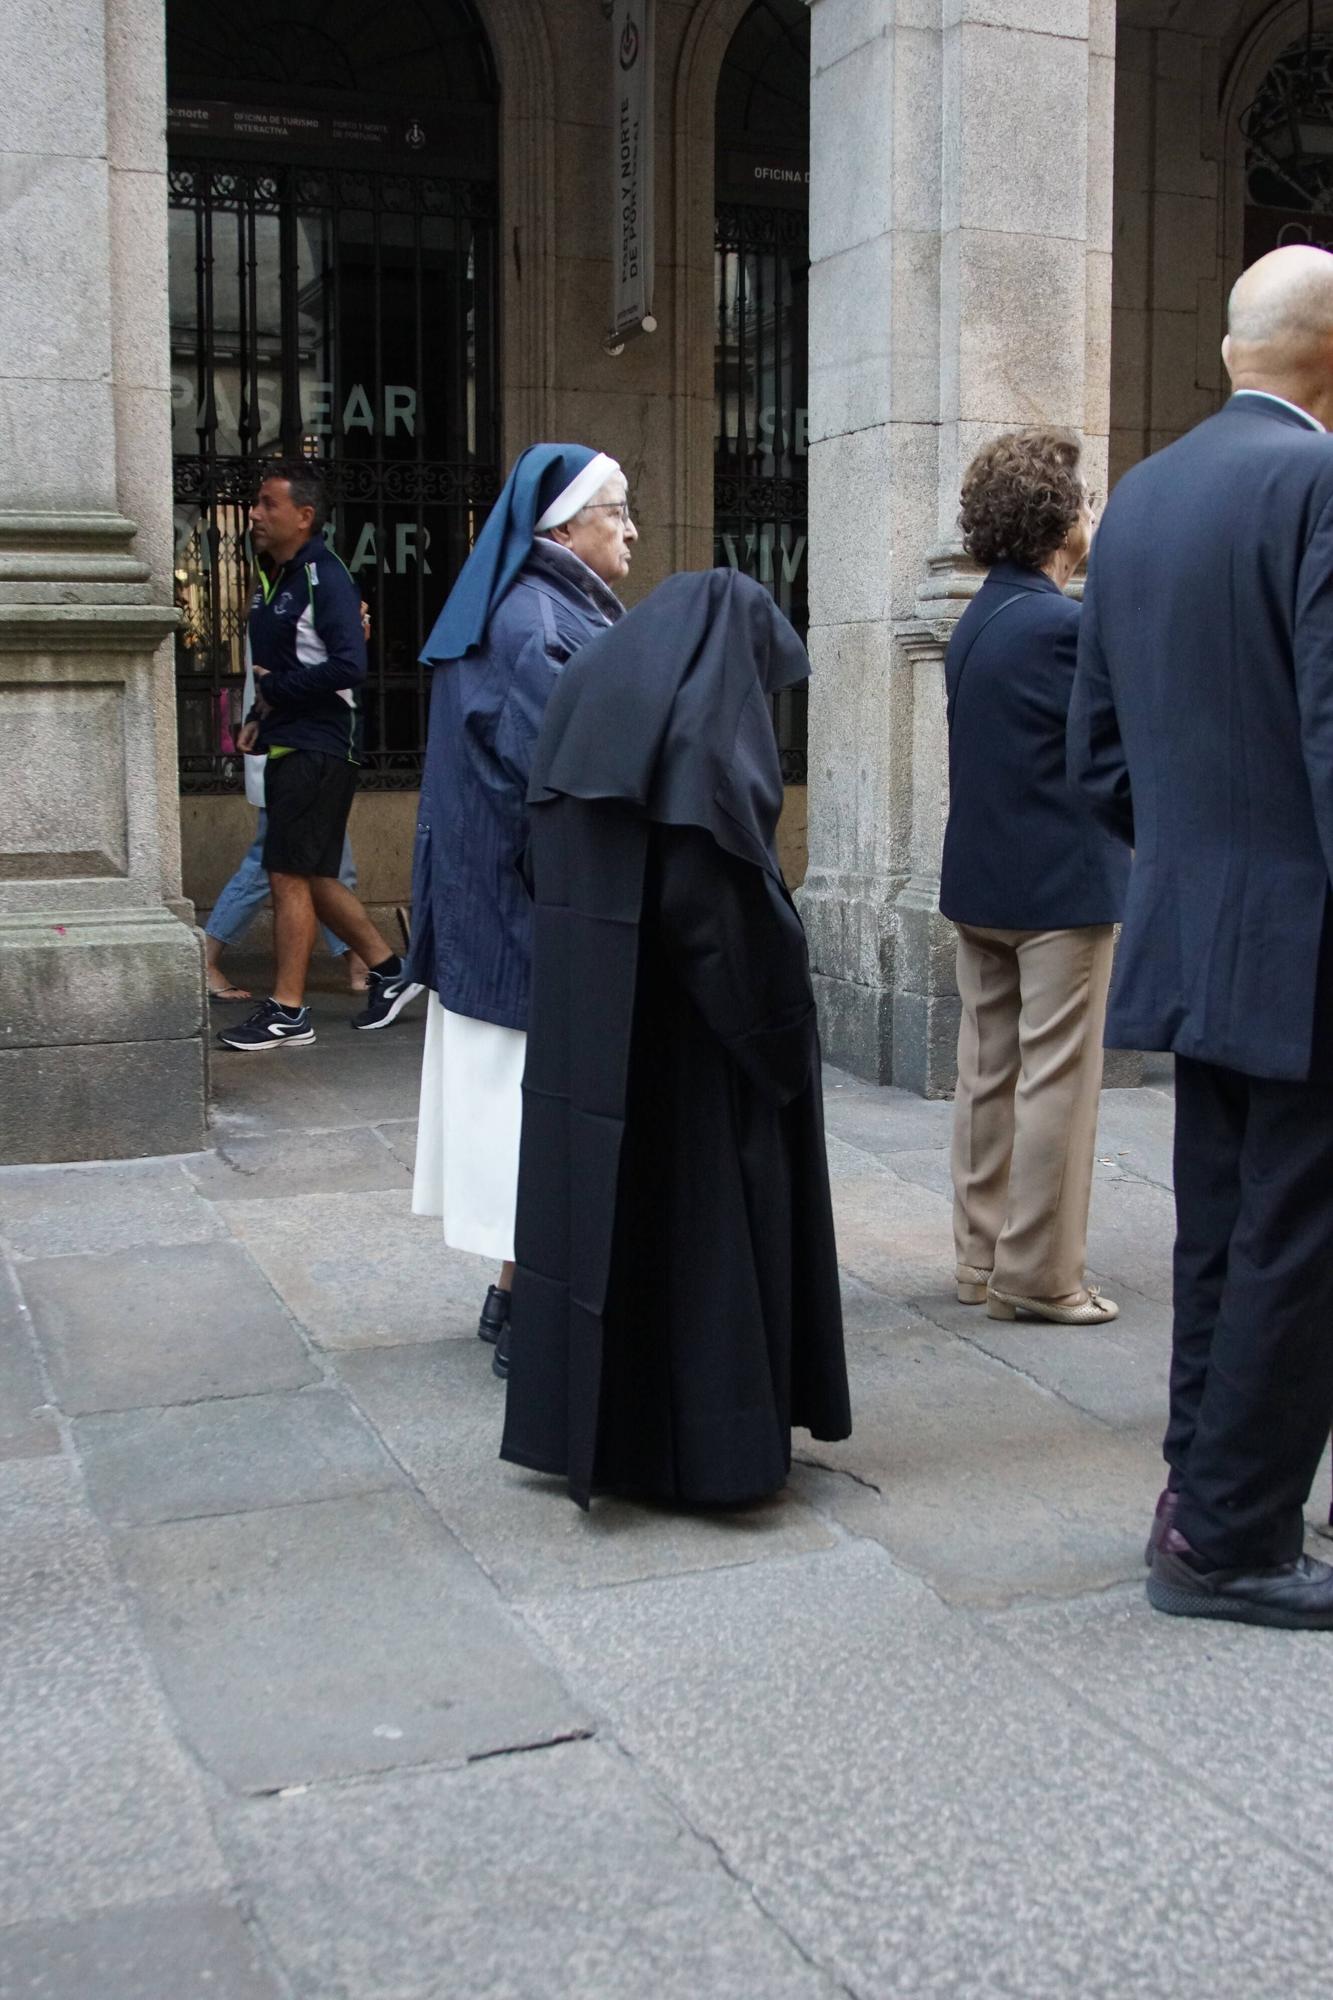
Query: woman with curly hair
pixel 1033 886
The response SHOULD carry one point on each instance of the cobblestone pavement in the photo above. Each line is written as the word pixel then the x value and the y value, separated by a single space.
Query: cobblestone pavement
pixel 305 1694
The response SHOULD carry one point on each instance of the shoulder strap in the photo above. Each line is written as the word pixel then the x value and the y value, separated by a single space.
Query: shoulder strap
pixel 989 619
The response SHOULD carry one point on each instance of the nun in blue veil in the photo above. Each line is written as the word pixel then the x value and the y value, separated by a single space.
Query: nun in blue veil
pixel 539 583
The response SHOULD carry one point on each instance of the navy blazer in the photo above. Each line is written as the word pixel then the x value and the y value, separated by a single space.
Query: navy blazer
pixel 1202 730
pixel 471 915
pixel 1022 850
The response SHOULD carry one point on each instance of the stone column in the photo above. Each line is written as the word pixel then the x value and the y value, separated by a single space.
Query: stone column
pixel 102 1008
pixel 960 285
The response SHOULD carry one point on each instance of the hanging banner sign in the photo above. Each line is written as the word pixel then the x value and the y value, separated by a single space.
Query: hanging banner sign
pixel 633 148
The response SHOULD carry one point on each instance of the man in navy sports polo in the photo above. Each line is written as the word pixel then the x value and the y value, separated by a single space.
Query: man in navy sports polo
pixel 308 653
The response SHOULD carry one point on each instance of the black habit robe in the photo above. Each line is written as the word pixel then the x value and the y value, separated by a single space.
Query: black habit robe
pixel 676 1305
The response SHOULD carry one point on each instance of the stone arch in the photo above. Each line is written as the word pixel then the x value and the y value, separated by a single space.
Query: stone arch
pixel 521 47
pixel 703 52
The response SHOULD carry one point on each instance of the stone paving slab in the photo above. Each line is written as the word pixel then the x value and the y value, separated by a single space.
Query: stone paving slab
pixel 1229 1709
pixel 987 1485
pixel 229 1456
pixel 401 1137
pixel 116 1205
pixel 923 1812
pixel 561 1876
pixel 283 1164
pixel 319 1641
pixel 1117 1372
pixel 28 1427
pixel 880 1121
pixel 440 1409
pixel 365 1272
pixel 98 1806
pixel 893 1235
pixel 139 1328
pixel 150 1951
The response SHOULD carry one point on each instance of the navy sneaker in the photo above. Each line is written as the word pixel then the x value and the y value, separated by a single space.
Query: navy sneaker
pixel 269 1027
pixel 389 993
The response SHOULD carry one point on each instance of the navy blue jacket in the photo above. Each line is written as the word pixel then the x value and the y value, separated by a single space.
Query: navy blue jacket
pixel 304 625
pixel 471 915
pixel 1022 850
pixel 1202 730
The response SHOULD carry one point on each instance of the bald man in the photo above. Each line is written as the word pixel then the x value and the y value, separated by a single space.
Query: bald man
pixel 1201 728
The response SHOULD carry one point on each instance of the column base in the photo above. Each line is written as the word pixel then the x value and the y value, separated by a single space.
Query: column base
pixel 103 1053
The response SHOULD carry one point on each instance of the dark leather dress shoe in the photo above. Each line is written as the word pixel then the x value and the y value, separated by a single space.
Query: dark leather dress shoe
pixel 1164 1518
pixel 1297 1596
pixel 494 1315
pixel 500 1358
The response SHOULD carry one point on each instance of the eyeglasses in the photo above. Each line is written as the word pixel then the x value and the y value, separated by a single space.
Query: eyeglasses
pixel 620 507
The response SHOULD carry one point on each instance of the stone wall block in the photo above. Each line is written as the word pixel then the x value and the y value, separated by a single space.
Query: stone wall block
pixel 851 149
pixel 54 95
pixel 917 130
pixel 116 1101
pixel 1022 302
pixel 840 27
pixel 1102 27
pixel 138 230
pixel 1098 334
pixel 851 551
pixel 851 308
pixel 854 728
pixel 914 349
pixel 1039 17
pixel 136 84
pixel 143 469
pixel 1180 165
pixel 63 809
pixel 1132 246
pixel 1101 153
pixel 131 977
pixel 53 251
pixel 1013 153
pixel 1134 136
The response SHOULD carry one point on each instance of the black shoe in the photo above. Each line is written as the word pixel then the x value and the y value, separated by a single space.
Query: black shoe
pixel 269 1027
pixel 1298 1596
pixel 1163 1518
pixel 389 994
pixel 500 1358
pixel 494 1315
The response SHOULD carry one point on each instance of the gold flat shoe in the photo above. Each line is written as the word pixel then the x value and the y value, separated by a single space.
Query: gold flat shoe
pixel 1095 1310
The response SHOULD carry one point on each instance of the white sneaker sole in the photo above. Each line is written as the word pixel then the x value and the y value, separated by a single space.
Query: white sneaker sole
pixel 262 1048
pixel 400 1000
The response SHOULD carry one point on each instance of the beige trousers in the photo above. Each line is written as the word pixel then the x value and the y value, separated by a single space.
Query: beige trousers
pixel 1025 1112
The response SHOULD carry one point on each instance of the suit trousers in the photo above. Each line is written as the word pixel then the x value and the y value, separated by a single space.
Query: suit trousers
pixel 1025 1110
pixel 1252 1352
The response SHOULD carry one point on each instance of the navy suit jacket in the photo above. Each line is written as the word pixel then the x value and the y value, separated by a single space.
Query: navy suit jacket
pixel 1201 729
pixel 1022 850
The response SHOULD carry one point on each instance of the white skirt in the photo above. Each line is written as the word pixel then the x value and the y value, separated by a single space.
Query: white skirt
pixel 467 1138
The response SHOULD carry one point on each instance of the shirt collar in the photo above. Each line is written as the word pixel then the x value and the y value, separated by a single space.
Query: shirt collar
pixel 558 561
pixel 1267 396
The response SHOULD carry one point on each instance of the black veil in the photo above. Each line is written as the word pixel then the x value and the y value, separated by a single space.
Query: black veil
pixel 668 711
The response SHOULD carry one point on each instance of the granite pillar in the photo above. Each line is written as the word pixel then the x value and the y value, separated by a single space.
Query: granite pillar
pixel 960 286
pixel 102 1009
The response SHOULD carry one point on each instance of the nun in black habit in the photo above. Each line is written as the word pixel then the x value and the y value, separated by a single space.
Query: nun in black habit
pixel 676 1305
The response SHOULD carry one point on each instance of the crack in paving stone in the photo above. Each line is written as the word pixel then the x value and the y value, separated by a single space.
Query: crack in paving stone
pixel 839 1472
pixel 732 1872
pixel 542 1743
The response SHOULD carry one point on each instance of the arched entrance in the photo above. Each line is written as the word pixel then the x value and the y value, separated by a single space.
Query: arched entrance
pixel 333 279
pixel 761 290
pixel 1288 133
